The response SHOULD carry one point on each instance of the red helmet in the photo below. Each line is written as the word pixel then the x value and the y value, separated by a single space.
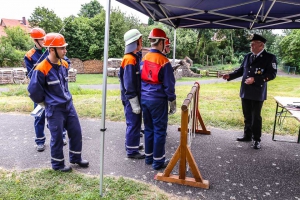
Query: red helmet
pixel 37 33
pixel 167 42
pixel 157 33
pixel 54 40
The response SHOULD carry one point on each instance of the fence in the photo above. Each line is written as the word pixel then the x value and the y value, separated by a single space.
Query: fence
pixel 216 73
pixel 289 69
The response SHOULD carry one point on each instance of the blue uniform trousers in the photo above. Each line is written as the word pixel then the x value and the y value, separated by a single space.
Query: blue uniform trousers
pixel 133 129
pixel 39 125
pixel 155 115
pixel 59 117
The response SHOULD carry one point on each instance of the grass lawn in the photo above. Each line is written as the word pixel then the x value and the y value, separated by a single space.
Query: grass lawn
pixel 47 184
pixel 96 79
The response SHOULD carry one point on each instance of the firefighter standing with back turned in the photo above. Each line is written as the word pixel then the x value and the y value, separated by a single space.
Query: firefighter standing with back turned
pixel 158 93
pixel 130 85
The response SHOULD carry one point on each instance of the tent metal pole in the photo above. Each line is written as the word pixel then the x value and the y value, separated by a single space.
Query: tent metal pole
pixel 104 87
pixel 174 47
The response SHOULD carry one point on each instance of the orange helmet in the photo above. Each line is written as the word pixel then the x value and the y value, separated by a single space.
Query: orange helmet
pixel 157 33
pixel 54 40
pixel 167 42
pixel 37 33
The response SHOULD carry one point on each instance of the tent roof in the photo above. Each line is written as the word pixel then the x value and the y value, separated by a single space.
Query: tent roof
pixel 237 14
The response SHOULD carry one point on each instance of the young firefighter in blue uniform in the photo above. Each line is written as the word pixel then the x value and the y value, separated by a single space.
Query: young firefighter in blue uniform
pixel 157 89
pixel 257 69
pixel 167 47
pixel 33 57
pixel 130 84
pixel 49 87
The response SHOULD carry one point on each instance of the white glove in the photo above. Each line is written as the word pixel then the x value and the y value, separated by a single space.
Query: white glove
pixel 172 105
pixel 42 104
pixel 135 105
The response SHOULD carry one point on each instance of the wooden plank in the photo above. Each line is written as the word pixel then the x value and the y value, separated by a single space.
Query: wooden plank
pixel 187 181
pixel 172 162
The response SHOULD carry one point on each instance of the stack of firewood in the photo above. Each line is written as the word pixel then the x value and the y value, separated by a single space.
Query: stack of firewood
pixel 19 76
pixel 111 71
pixel 72 75
pixel 6 76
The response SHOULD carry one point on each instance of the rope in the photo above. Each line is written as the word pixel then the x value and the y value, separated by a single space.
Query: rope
pixel 37 62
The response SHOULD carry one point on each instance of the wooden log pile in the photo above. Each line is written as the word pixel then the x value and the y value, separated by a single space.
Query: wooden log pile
pixel 93 67
pixel 19 76
pixel 6 77
pixel 72 75
pixel 78 65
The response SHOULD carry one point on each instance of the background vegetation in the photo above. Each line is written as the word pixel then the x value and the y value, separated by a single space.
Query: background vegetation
pixel 85 35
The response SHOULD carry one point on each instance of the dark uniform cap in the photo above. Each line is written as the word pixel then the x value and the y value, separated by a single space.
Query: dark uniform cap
pixel 259 37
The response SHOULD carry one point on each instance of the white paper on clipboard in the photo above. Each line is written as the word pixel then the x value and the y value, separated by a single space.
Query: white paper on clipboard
pixel 38 111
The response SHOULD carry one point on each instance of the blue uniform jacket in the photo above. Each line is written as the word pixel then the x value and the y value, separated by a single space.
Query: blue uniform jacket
pixel 33 57
pixel 165 87
pixel 49 83
pixel 130 79
pixel 263 69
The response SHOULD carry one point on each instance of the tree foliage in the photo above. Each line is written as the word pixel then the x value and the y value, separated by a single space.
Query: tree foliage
pixel 90 9
pixel 14 46
pixel 85 36
pixel 46 19
pixel 290 49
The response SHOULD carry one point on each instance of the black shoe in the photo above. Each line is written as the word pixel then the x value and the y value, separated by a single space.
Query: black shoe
pixel 163 165
pixel 40 147
pixel 244 139
pixel 64 169
pixel 136 156
pixel 82 163
pixel 256 145
pixel 141 146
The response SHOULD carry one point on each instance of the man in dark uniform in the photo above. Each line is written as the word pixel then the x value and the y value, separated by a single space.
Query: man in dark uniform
pixel 257 69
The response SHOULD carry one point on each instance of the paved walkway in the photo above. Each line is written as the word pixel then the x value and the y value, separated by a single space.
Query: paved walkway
pixel 234 170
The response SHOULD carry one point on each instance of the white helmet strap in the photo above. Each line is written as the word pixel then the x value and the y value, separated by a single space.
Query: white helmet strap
pixel 156 41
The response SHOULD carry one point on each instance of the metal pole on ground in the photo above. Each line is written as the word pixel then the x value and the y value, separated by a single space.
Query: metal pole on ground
pixel 104 87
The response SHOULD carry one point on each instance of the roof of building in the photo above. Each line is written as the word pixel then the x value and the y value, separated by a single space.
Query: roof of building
pixel 24 24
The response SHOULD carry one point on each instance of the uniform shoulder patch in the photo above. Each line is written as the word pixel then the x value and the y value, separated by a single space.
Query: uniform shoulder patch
pixel 274 65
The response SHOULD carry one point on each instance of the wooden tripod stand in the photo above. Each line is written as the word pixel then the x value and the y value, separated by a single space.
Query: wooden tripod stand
pixel 183 152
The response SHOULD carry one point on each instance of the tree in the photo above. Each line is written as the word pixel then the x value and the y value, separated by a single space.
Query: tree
pixel 80 36
pixel 45 19
pixel 14 46
pixel 90 9
pixel 150 21
pixel 17 38
pixel 9 56
pixel 290 47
